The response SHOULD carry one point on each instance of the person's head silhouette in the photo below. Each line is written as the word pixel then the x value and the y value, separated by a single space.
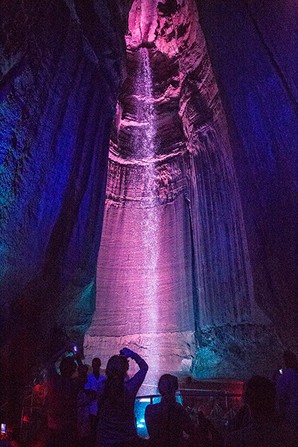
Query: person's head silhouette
pixel 67 367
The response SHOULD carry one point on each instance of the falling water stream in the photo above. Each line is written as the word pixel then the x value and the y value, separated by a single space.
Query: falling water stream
pixel 173 255
pixel 145 148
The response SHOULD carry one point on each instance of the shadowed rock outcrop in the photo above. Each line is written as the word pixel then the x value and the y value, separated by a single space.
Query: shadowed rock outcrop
pixel 62 64
pixel 252 47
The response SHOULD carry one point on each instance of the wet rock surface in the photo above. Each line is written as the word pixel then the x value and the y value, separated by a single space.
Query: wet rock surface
pixel 174 255
pixel 226 232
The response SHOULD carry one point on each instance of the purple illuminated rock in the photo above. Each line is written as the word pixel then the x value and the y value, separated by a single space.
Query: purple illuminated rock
pixel 173 259
pixel 215 265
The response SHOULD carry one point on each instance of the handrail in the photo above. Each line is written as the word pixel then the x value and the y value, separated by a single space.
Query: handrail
pixel 194 391
pixel 191 392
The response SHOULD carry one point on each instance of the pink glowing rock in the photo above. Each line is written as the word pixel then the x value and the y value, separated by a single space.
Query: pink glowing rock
pixel 173 256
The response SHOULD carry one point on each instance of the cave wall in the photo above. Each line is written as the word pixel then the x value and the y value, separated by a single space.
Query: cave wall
pixel 195 196
pixel 61 67
pixel 144 287
pixel 253 48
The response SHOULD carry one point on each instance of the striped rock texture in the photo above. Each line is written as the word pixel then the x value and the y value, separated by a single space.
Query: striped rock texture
pixel 180 118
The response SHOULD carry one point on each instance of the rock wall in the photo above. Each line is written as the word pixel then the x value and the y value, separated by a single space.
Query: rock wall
pixel 171 166
pixel 61 68
pixel 62 64
pixel 252 47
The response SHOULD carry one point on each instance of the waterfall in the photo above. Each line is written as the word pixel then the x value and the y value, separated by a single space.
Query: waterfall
pixel 173 256
pixel 144 272
pixel 144 146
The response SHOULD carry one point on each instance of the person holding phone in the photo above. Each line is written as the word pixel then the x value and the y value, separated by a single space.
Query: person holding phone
pixel 116 419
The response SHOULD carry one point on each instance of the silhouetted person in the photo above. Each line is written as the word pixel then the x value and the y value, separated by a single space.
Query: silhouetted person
pixel 264 427
pixel 287 390
pixel 167 420
pixel 84 399
pixel 94 383
pixel 116 419
pixel 61 402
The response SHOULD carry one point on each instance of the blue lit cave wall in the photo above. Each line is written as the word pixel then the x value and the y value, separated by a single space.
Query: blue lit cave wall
pixel 62 64
pixel 253 48
pixel 61 67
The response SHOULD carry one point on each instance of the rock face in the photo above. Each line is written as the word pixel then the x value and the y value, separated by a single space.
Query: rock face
pixel 173 261
pixel 253 61
pixel 197 258
pixel 62 65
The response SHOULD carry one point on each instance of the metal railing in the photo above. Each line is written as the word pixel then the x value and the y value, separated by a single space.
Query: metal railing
pixel 218 406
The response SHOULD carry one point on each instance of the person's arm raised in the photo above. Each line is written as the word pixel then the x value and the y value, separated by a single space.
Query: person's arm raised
pixel 128 353
pixel 136 381
pixel 51 365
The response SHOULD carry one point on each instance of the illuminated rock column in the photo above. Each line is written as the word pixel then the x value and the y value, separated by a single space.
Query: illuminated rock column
pixel 192 273
pixel 144 274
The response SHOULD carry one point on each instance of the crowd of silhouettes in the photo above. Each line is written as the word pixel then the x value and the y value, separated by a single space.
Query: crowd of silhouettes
pixel 96 410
